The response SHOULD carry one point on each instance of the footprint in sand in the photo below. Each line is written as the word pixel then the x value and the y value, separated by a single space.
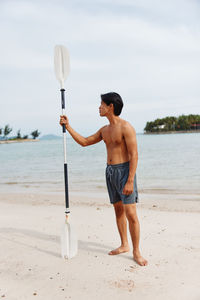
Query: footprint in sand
pixel 123 284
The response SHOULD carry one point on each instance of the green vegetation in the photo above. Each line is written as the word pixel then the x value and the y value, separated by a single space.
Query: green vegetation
pixel 4 132
pixel 19 134
pixel 7 130
pixel 35 134
pixel 181 123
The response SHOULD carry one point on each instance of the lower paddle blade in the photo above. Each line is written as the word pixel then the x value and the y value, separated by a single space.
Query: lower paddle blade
pixel 69 242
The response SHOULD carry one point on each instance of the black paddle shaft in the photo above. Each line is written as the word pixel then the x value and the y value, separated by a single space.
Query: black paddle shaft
pixel 65 163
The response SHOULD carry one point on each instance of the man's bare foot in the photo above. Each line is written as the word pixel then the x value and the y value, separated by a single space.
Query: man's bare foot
pixel 121 249
pixel 139 259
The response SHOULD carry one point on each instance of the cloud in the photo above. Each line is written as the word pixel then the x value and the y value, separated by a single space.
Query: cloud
pixel 147 51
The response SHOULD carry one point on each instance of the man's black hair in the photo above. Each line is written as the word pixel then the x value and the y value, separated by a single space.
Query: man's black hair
pixel 115 99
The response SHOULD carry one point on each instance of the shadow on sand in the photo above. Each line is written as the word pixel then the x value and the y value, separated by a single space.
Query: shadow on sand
pixel 14 235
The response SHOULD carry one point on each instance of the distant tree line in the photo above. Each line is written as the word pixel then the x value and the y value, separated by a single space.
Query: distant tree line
pixel 183 122
pixel 4 132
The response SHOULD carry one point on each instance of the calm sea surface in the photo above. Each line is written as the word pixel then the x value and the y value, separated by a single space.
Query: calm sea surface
pixel 168 164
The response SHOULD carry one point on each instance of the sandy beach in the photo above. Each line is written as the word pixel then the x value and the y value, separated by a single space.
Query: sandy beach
pixel 31 266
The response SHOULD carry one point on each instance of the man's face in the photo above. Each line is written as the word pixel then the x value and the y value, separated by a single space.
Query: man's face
pixel 104 109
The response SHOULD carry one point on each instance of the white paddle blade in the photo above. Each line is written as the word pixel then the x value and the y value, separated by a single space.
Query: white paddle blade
pixel 61 64
pixel 69 242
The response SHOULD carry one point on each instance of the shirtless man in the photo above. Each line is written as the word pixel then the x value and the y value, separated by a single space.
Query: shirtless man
pixel 122 156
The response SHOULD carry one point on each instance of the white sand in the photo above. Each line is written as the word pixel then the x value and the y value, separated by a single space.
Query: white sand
pixel 30 260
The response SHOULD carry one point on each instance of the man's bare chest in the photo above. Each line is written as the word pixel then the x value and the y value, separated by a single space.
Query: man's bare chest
pixel 112 136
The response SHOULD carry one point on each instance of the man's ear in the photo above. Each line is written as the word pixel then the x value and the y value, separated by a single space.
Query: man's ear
pixel 111 105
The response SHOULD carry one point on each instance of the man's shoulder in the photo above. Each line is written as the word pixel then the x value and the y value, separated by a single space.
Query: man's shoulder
pixel 126 126
pixel 104 127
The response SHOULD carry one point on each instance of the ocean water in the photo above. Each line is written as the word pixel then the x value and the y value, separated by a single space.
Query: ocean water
pixel 168 164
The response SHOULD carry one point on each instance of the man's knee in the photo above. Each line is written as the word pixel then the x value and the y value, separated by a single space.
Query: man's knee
pixel 130 211
pixel 119 209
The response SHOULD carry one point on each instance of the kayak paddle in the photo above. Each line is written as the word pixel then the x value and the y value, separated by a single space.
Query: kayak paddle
pixel 69 243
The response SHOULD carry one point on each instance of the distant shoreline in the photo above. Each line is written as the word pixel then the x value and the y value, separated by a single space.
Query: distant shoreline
pixel 18 141
pixel 174 132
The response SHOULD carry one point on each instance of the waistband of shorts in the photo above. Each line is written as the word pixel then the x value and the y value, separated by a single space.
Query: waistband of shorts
pixel 122 165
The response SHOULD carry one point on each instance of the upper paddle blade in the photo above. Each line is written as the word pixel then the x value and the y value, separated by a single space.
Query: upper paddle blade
pixel 61 63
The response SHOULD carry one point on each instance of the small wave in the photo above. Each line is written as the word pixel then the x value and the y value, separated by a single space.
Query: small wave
pixel 100 187
pixel 31 182
pixel 164 191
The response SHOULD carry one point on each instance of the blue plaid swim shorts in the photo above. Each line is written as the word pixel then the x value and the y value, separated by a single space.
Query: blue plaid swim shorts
pixel 116 178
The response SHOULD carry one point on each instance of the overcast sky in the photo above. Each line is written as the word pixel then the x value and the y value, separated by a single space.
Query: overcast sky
pixel 146 50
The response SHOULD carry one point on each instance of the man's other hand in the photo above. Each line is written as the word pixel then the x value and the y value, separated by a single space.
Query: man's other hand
pixel 128 188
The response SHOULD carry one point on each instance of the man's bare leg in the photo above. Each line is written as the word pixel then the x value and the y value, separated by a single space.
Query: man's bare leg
pixel 134 228
pixel 122 228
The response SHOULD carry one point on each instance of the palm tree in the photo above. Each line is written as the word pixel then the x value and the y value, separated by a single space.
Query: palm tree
pixel 7 130
pixel 35 134
pixel 19 134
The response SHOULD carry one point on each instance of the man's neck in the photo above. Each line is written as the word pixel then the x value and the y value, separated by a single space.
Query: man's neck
pixel 113 120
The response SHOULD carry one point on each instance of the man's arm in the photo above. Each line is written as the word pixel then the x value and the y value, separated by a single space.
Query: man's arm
pixel 131 143
pixel 83 141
